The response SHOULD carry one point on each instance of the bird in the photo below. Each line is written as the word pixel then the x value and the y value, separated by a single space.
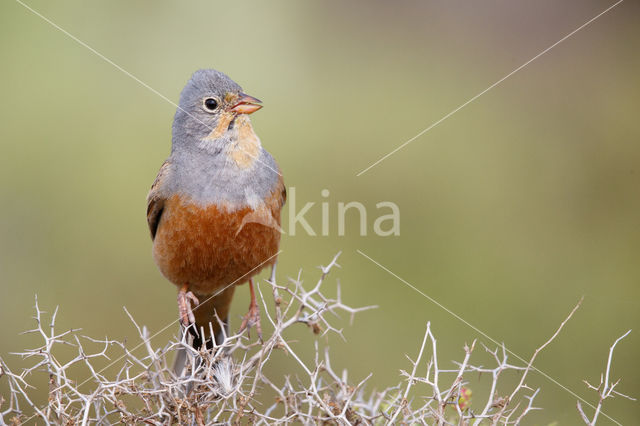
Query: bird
pixel 214 208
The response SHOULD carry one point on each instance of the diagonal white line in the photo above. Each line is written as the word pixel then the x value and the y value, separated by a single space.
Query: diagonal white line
pixel 482 333
pixel 127 73
pixel 487 89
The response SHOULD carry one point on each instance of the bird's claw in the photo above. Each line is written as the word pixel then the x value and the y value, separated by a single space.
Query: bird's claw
pixel 185 298
pixel 252 318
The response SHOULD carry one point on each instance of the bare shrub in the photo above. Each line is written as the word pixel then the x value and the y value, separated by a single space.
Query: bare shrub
pixel 224 385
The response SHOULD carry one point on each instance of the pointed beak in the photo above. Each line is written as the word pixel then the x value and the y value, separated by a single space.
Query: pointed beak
pixel 246 104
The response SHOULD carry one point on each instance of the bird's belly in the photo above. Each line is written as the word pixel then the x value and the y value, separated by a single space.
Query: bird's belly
pixel 210 248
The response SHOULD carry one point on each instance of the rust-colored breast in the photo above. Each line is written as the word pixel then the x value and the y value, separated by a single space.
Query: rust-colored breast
pixel 210 247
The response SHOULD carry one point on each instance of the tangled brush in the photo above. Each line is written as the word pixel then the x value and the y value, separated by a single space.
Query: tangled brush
pixel 228 384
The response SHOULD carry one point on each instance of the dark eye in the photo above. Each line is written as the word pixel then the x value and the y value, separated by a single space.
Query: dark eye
pixel 210 104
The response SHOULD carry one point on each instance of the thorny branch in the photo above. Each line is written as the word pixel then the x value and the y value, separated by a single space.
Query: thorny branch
pixel 605 389
pixel 234 382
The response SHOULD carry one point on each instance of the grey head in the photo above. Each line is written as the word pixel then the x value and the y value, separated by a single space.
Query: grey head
pixel 216 156
pixel 208 98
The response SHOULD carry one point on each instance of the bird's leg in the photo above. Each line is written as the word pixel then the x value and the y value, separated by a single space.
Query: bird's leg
pixel 185 297
pixel 253 316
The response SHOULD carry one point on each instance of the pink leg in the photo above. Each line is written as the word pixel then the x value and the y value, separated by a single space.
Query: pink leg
pixel 185 297
pixel 253 316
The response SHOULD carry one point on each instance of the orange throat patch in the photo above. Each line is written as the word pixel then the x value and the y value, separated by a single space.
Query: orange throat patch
pixel 247 147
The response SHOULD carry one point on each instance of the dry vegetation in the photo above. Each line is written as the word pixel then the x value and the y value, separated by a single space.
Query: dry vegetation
pixel 224 385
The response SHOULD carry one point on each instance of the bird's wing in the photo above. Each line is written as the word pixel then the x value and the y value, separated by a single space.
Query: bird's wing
pixel 283 191
pixel 155 200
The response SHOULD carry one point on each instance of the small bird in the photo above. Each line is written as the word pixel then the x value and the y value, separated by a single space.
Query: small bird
pixel 214 207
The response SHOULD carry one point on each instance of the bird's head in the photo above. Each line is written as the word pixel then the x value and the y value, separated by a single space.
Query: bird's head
pixel 213 112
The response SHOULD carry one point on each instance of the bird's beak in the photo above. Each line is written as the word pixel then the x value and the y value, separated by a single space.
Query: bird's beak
pixel 246 104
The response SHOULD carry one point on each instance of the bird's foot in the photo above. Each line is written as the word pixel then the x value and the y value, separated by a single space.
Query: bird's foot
pixel 252 318
pixel 185 298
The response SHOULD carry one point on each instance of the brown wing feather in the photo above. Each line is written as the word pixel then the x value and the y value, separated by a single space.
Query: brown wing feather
pixel 155 202
pixel 283 191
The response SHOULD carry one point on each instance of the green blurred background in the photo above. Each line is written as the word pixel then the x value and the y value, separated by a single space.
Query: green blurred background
pixel 511 209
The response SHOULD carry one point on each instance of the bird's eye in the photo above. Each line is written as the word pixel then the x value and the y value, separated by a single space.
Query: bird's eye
pixel 210 104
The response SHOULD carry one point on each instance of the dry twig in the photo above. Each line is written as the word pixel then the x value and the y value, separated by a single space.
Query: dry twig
pixel 230 383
